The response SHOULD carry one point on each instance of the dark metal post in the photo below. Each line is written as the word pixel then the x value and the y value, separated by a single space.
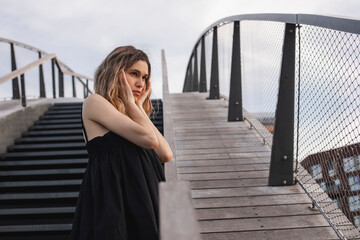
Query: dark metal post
pixel 23 93
pixel 191 78
pixel 73 86
pixel 53 77
pixel 195 86
pixel 186 82
pixel 84 91
pixel 235 98
pixel 281 166
pixel 214 78
pixel 202 67
pixel 15 81
pixel 61 83
pixel 41 80
pixel 87 87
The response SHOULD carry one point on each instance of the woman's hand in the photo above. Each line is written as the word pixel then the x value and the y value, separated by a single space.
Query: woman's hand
pixel 126 94
pixel 140 100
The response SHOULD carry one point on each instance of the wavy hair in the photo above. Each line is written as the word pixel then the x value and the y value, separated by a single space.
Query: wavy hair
pixel 106 80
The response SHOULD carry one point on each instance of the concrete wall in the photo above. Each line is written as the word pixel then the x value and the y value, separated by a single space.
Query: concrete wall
pixel 17 122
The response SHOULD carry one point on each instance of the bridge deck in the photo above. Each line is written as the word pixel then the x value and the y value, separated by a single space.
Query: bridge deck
pixel 227 166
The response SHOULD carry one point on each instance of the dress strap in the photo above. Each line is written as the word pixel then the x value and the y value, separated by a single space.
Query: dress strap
pixel 83 127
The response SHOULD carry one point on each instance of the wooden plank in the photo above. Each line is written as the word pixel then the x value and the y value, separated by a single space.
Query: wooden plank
pixel 226 168
pixel 228 183
pixel 220 150
pixel 224 175
pixel 248 191
pixel 256 224
pixel 220 162
pixel 251 201
pixel 255 212
pixel 313 233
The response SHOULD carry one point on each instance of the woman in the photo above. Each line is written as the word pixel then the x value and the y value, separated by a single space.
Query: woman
pixel 119 193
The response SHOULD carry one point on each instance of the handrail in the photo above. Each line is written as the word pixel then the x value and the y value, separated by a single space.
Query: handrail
pixel 36 63
pixel 331 22
pixel 32 48
pixel 22 70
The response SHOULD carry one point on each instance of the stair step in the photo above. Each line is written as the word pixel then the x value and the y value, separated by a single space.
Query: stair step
pixel 58 139
pixel 52 117
pixel 53 133
pixel 63 112
pixel 59 121
pixel 41 174
pixel 55 127
pixel 43 163
pixel 46 147
pixel 36 211
pixel 36 228
pixel 36 155
pixel 71 107
pixel 47 183
pixel 38 196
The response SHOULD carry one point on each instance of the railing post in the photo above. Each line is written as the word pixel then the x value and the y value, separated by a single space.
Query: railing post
pixel 281 166
pixel 84 91
pixel 15 81
pixel 23 93
pixel 41 80
pixel 53 77
pixel 202 67
pixel 235 97
pixel 61 83
pixel 73 86
pixel 191 78
pixel 195 81
pixel 87 87
pixel 214 78
pixel 186 82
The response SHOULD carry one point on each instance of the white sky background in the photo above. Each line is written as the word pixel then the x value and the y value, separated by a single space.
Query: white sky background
pixel 82 32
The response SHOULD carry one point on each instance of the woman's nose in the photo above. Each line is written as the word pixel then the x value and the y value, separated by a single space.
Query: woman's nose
pixel 139 83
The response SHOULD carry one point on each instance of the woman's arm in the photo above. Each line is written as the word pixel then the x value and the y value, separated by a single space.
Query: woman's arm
pixel 163 150
pixel 136 129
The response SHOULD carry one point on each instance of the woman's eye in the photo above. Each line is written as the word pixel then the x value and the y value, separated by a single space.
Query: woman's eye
pixel 134 74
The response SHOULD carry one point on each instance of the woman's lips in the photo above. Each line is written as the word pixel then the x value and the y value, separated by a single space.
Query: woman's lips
pixel 136 93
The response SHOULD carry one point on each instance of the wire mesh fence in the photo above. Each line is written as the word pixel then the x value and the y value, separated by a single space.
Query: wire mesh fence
pixel 261 62
pixel 328 129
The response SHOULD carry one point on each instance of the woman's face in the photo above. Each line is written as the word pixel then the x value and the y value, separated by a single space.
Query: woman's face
pixel 137 76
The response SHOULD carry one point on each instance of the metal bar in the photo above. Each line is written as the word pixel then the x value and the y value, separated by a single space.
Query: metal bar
pixel 203 87
pixel 23 93
pixel 53 77
pixel 61 83
pixel 15 81
pixel 195 81
pixel 73 85
pixel 214 78
pixel 281 165
pixel 191 79
pixel 41 79
pixel 235 97
pixel 84 92
pixel 87 87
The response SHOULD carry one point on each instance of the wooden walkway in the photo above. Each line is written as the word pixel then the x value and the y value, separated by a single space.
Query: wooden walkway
pixel 227 166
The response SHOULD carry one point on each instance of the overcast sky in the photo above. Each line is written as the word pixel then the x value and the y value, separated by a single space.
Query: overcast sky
pixel 82 32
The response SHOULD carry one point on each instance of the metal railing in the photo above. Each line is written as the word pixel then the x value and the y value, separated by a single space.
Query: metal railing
pixel 19 90
pixel 298 75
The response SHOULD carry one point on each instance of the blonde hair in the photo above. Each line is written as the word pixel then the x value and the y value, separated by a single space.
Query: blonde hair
pixel 107 75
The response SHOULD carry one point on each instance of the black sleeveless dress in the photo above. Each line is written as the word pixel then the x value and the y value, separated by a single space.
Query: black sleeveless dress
pixel 119 192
